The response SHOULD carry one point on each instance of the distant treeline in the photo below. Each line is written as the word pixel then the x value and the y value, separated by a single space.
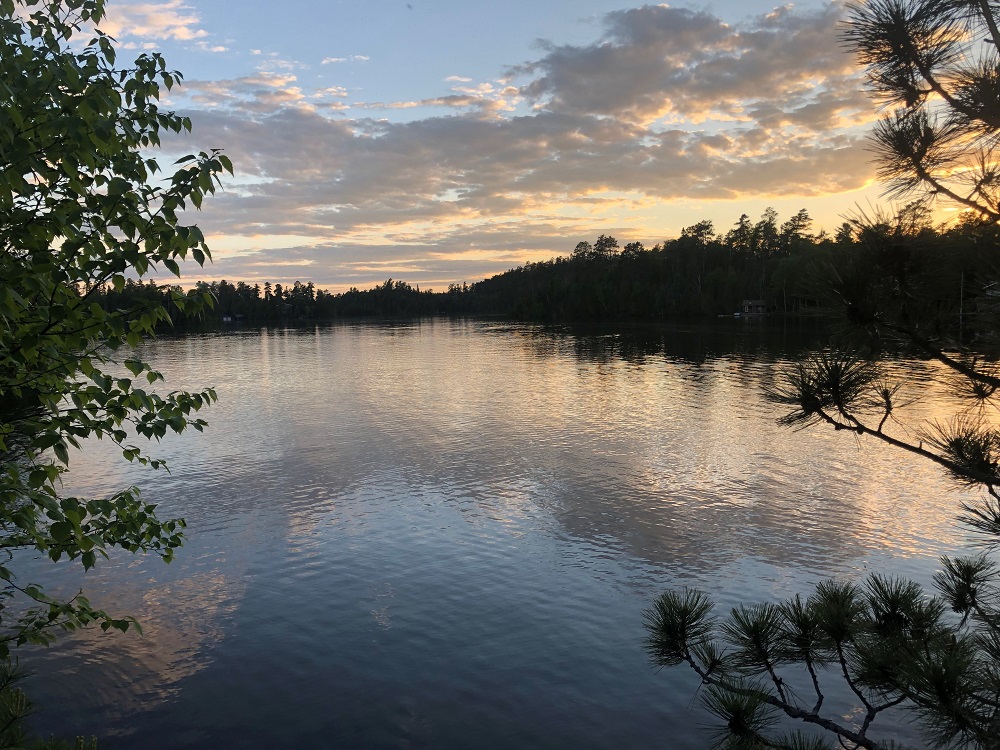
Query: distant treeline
pixel 781 268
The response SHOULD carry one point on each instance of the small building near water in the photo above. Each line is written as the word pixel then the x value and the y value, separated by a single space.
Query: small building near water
pixel 754 307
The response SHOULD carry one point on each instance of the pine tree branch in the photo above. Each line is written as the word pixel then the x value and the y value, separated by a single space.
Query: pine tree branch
pixel 990 21
pixel 861 429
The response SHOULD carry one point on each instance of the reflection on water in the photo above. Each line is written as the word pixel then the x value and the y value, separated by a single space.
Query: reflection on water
pixel 442 534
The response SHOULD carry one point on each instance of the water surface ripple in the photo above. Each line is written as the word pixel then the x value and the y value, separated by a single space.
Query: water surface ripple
pixel 443 533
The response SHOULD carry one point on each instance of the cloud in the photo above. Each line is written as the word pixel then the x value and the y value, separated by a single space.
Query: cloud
pixel 171 19
pixel 338 266
pixel 337 91
pixel 457 101
pixel 205 47
pixel 656 61
pixel 145 46
pixel 668 107
pixel 352 58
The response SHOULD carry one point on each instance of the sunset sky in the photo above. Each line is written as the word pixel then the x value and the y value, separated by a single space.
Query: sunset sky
pixel 440 141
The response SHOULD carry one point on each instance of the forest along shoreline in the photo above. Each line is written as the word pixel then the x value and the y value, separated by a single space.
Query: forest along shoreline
pixel 758 268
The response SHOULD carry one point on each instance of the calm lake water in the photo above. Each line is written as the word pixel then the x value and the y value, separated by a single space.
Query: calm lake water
pixel 443 533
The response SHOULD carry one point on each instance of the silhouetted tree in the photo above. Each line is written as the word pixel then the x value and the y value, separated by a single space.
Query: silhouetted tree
pixel 606 247
pixel 936 64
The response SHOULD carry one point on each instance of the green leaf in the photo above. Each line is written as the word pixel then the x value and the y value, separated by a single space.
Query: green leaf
pixel 61 531
pixel 46 440
pixel 61 453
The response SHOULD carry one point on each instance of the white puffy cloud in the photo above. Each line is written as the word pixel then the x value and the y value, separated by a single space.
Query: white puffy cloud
pixel 351 58
pixel 260 93
pixel 170 19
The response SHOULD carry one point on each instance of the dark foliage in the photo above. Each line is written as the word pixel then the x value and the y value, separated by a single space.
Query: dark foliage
pixel 946 271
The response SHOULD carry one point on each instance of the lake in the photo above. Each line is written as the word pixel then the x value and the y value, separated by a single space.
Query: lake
pixel 442 534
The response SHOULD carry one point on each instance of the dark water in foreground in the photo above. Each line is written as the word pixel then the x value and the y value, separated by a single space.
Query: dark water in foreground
pixel 442 534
